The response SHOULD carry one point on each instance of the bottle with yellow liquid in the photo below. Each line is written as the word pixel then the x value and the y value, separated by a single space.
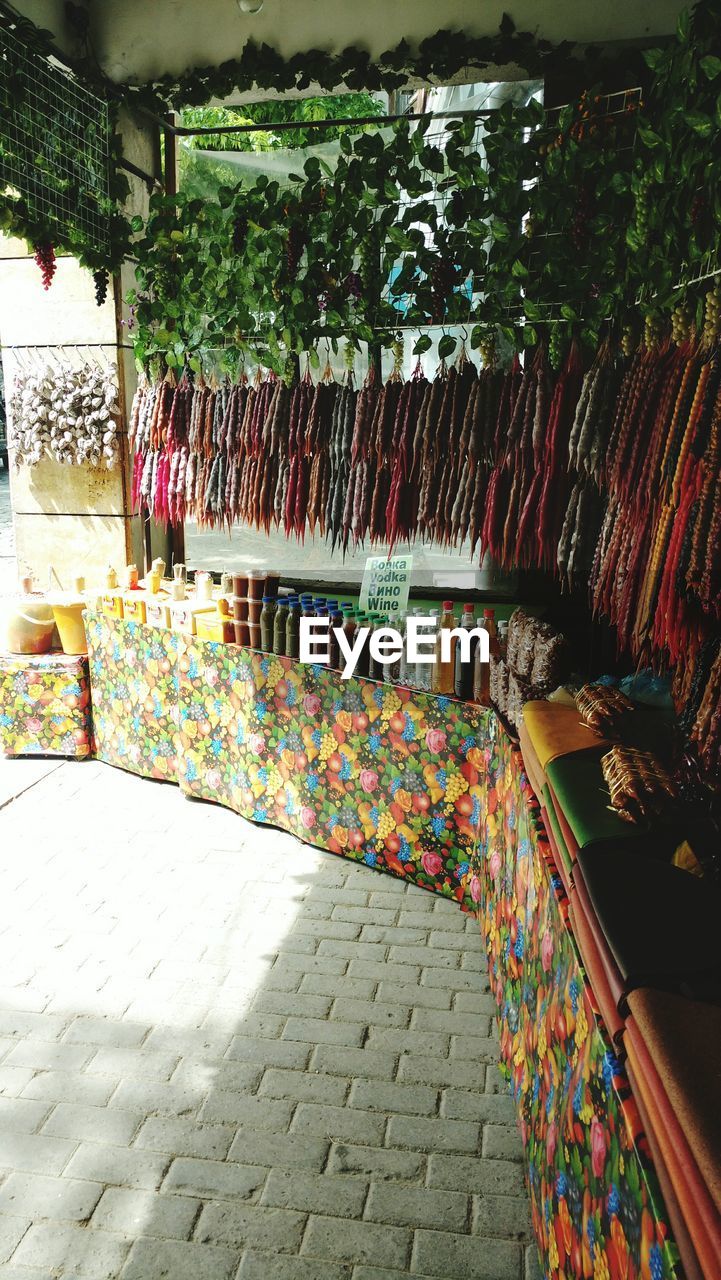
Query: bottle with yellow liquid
pixel 444 673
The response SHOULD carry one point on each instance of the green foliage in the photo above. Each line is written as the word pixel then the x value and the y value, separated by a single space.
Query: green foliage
pixel 438 59
pixel 566 216
pixel 675 182
pixel 54 161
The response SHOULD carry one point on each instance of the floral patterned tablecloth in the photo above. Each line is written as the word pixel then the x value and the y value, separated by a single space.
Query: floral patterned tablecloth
pixel 381 774
pixel 44 705
pixel 384 775
pixel 134 677
pixel 596 1206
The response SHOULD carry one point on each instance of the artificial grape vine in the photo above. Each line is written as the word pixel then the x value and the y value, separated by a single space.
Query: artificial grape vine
pixel 45 258
pixel 100 279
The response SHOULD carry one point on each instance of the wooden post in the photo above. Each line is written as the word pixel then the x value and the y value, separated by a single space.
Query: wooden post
pixel 176 532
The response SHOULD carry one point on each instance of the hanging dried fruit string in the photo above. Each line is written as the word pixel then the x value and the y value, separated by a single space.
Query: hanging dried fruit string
pixel 340 445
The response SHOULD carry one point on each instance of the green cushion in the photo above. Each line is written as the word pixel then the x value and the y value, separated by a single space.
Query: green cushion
pixel 580 790
pixel 555 832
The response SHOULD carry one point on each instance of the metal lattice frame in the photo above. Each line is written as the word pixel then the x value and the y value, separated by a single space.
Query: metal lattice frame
pixel 54 144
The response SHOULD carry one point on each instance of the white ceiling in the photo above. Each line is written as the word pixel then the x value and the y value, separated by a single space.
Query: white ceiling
pixel 142 39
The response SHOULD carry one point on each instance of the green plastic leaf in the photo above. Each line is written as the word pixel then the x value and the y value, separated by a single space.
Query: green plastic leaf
pixel 700 123
pixel 447 346
pixel 711 66
pixel 423 343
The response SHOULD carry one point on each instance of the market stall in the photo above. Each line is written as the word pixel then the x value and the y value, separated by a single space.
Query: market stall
pixel 499 335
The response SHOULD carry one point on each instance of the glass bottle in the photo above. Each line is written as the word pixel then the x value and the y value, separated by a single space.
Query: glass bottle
pixel 267 620
pixel 349 624
pixel 463 677
pixel 292 630
pixel 422 672
pixel 393 670
pixel 363 665
pixel 444 672
pixel 279 624
pixel 336 622
pixel 375 670
pixel 481 672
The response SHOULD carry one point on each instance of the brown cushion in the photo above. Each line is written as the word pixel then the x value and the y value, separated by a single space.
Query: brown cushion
pixel 684 1039
pixel 534 772
pixel 556 729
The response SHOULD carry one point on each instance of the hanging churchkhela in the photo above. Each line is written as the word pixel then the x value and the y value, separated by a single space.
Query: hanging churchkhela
pixel 607 477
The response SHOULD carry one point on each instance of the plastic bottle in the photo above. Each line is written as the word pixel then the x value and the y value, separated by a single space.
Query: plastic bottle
pixel 481 671
pixel 375 669
pixel 349 624
pixel 292 630
pixel 403 669
pixel 279 624
pixel 363 664
pixel 463 676
pixel 267 620
pixel 490 621
pixel 444 672
pixel 422 672
pixel 321 636
pixel 336 624
pixel 393 670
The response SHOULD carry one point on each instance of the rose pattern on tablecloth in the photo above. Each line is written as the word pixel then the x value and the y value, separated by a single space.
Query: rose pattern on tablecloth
pixel 134 677
pixel 379 773
pixel 44 705
pixel 597 1210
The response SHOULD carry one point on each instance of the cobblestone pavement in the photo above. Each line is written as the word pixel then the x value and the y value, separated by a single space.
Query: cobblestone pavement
pixel 224 1054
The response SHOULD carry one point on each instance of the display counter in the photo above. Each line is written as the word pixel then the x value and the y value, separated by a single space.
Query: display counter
pixel 44 705
pixel 596 1206
pixel 384 775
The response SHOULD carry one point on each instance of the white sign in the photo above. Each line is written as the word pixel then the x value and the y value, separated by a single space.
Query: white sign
pixel 386 583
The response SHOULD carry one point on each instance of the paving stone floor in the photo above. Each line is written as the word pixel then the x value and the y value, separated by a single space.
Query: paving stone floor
pixel 224 1054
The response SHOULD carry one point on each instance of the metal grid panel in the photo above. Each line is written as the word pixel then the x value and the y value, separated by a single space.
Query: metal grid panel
pixel 54 143
pixel 437 134
pixel 623 106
